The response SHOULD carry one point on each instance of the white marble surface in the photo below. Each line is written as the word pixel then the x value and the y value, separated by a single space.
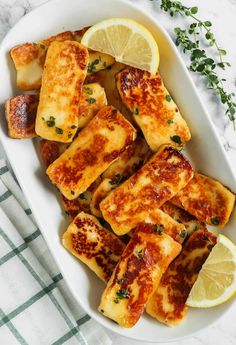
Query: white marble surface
pixel 223 15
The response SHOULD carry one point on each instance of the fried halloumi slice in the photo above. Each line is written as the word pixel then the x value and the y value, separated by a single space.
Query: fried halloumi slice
pixel 128 162
pixel 29 59
pixel 20 115
pixel 190 222
pixel 99 144
pixel 94 245
pixel 207 199
pixel 167 172
pixel 107 78
pixel 92 100
pixel 62 81
pixel 167 304
pixel 21 112
pixel 153 109
pixel 49 151
pixel 137 275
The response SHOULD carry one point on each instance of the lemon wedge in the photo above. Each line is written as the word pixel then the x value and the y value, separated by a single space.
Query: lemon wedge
pixel 216 282
pixel 126 40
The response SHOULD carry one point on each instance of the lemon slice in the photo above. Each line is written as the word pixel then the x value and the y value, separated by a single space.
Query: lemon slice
pixel 126 40
pixel 216 282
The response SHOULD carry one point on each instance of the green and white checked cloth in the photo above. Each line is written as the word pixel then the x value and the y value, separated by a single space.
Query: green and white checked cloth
pixel 36 307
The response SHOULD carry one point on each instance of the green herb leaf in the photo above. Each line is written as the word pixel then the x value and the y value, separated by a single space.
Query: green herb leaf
pixel 168 98
pixel 73 127
pixel 215 221
pixel 82 196
pixel 192 41
pixel 120 281
pixel 117 180
pixel 51 121
pixel 135 111
pixel 139 254
pixel 170 122
pixel 92 66
pixel 91 100
pixel 158 229
pixel 58 130
pixel 87 90
pixel 116 300
pixel 176 139
pixel 123 293
pixel 183 233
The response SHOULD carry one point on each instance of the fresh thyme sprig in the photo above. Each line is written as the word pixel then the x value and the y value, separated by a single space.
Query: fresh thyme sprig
pixel 200 61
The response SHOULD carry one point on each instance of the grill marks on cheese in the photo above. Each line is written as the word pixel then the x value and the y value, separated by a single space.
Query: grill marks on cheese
pixel 154 110
pixel 100 143
pixel 167 304
pixel 62 80
pixel 29 59
pixel 20 115
pixel 207 199
pixel 142 194
pixel 137 275
pixel 98 248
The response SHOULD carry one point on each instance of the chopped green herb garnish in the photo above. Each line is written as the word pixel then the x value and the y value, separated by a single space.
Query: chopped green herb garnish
pixel 72 192
pixel 42 46
pixel 139 254
pixel 92 66
pixel 70 135
pixel 73 127
pixel 135 111
pixel 215 221
pixel 116 300
pixel 88 90
pixel 91 100
pixel 210 246
pixel 82 196
pixel 183 233
pixel 120 281
pixel 197 227
pixel 158 229
pixel 102 311
pixel 168 98
pixel 51 121
pixel 122 293
pixel 176 139
pixel 170 122
pixel 58 130
pixel 115 181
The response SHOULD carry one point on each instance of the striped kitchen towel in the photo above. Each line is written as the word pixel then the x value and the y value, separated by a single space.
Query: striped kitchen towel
pixel 36 307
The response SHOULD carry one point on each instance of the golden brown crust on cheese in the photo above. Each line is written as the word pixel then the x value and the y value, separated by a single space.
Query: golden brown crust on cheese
pixel 98 248
pixel 157 181
pixel 137 275
pixel 167 304
pixel 29 59
pixel 80 204
pixel 129 161
pixel 207 199
pixel 20 115
pixel 107 78
pixel 154 110
pixel 102 141
pixel 93 99
pixel 62 80
pixel 49 151
pixel 181 216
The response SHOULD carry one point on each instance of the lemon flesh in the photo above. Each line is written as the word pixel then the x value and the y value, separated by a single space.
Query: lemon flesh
pixel 216 282
pixel 126 40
